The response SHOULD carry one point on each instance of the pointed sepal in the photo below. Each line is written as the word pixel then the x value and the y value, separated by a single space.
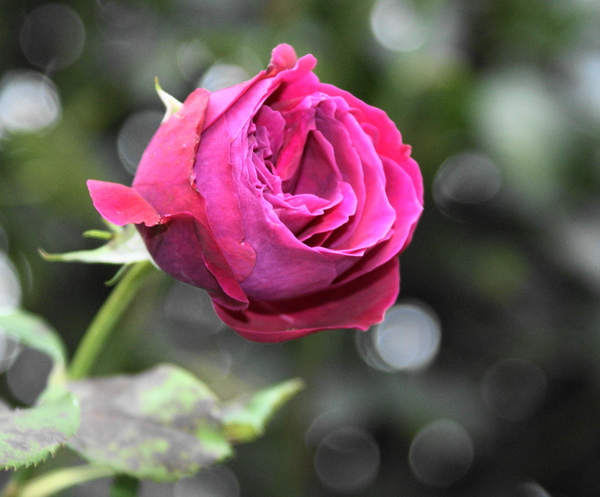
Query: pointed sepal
pixel 171 103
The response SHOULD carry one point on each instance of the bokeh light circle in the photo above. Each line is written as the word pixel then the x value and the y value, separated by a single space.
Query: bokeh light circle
pixel 514 389
pixel 441 453
pixel 9 351
pixel 532 489
pixel 397 26
pixel 408 339
pixel 347 460
pixel 52 36
pixel 10 286
pixel 467 178
pixel 28 375
pixel 192 59
pixel 221 76
pixel 29 102
pixel 134 136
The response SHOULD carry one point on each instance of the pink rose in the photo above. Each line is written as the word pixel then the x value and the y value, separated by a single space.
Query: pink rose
pixel 287 199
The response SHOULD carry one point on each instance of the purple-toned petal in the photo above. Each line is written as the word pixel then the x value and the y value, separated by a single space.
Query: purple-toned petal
pixel 299 210
pixel 299 124
pixel 184 247
pixel 390 140
pixel 360 164
pixel 335 216
pixel 403 197
pixel 216 183
pixel 273 124
pixel 360 304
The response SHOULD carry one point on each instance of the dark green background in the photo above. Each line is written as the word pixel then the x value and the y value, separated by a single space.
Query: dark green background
pixel 516 276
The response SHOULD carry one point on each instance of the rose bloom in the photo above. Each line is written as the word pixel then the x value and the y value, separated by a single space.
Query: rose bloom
pixel 286 199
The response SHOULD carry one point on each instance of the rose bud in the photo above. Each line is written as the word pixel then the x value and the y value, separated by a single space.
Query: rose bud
pixel 286 199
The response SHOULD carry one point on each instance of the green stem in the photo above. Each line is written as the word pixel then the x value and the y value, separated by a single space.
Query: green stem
pixel 60 479
pixel 109 314
pixel 13 486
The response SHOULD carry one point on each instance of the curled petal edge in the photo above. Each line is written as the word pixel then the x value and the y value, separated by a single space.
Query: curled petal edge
pixel 335 308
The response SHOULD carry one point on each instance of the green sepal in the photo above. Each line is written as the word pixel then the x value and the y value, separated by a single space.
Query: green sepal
pixel 245 419
pixel 124 246
pixel 171 103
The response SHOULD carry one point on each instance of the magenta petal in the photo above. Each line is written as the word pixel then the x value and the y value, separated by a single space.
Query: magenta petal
pixel 401 193
pixel 389 143
pixel 184 247
pixel 337 215
pixel 361 167
pixel 283 57
pixel 360 304
pixel 221 101
pixel 169 157
pixel 121 205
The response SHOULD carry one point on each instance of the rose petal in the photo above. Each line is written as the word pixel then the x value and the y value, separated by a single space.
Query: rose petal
pixel 359 163
pixel 283 57
pixel 390 140
pixel 336 215
pixel 184 247
pixel 222 100
pixel 360 304
pixel 121 205
pixel 286 266
pixel 169 157
pixel 401 193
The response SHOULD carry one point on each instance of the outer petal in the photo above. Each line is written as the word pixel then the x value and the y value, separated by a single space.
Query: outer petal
pixel 164 176
pixel 283 57
pixel 358 159
pixel 184 247
pixel 121 205
pixel 359 304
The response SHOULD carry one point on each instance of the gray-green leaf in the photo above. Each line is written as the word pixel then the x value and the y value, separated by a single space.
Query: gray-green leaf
pixel 28 436
pixel 163 424
pixel 33 332
pixel 245 419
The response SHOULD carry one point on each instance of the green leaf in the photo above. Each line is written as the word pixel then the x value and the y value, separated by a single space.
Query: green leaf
pixel 28 436
pixel 245 419
pixel 33 332
pixel 162 424
pixel 125 246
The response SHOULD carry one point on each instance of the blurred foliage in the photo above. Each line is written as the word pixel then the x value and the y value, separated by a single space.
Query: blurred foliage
pixel 514 274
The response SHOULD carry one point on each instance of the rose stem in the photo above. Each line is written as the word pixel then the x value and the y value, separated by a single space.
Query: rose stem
pixel 60 479
pixel 107 317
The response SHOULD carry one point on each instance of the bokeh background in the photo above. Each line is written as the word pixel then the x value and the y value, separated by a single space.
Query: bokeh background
pixel 485 379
